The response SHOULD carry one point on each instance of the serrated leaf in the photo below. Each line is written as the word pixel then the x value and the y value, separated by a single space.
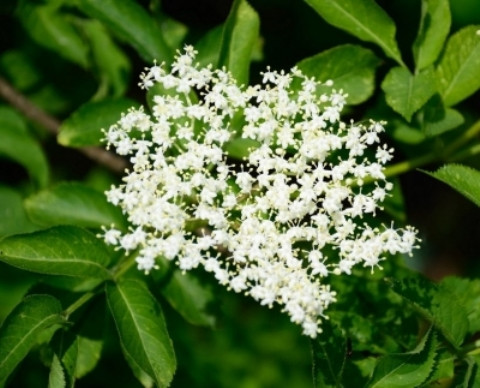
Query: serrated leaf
pixel 466 374
pixel 19 146
pixel 189 298
pixel 434 28
pixel 13 216
pixel 356 78
pixel 240 35
pixel 406 93
pixel 84 126
pixel 407 369
pixel 51 29
pixel 329 351
pixel 62 250
pixel 437 119
pixel 465 180
pixel 143 334
pixel 132 23
pixel 56 378
pixel 73 204
pixel 362 18
pixel 458 73
pixel 437 306
pixel 113 65
pixel 20 331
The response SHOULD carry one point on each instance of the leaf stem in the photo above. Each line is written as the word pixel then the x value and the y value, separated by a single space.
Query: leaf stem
pixel 78 303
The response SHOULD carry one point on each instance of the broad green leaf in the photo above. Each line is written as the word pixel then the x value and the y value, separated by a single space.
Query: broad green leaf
pixel 20 331
pixel 143 334
pixel 73 204
pixel 406 93
pixel 437 305
pixel 362 18
pixel 436 119
pixel 240 35
pixel 407 369
pixel 10 117
pixel 434 28
pixel 404 133
pixel 465 180
pixel 354 77
pixel 84 126
pixel 132 23
pixel 174 32
pixel 20 146
pixel 113 65
pixel 329 351
pixel 467 293
pixel 187 296
pixel 458 73
pixel 62 250
pixel 56 378
pixel 13 218
pixel 51 29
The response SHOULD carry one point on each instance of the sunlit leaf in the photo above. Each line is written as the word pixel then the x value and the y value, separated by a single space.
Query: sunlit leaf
pixel 437 119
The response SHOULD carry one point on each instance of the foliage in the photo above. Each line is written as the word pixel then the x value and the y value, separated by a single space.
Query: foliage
pixel 76 312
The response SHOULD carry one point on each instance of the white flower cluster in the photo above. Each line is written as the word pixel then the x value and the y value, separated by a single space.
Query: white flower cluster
pixel 270 226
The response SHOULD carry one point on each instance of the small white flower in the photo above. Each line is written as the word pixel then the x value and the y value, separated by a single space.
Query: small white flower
pixel 265 221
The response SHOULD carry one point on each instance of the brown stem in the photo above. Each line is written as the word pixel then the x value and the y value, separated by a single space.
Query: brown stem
pixel 52 125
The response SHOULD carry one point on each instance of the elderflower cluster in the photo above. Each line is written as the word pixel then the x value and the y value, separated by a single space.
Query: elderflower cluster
pixel 274 225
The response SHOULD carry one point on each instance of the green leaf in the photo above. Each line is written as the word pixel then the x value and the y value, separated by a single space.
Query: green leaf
pixel 467 293
pixel 362 18
pixel 18 145
pixel 62 250
pixel 329 351
pixel 143 334
pixel 74 204
pixel 465 180
pixel 132 23
pixel 113 65
pixel 437 119
pixel 404 133
pixel 51 29
pixel 406 93
pixel 239 148
pixel 84 126
pixel 356 78
pixel 434 28
pixel 240 35
pixel 187 296
pixel 13 216
pixel 56 378
pixel 20 331
pixel 174 32
pixel 208 46
pixel 437 305
pixel 466 374
pixel 458 73
pixel 407 369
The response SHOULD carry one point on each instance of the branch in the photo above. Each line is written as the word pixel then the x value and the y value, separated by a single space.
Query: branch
pixel 52 125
